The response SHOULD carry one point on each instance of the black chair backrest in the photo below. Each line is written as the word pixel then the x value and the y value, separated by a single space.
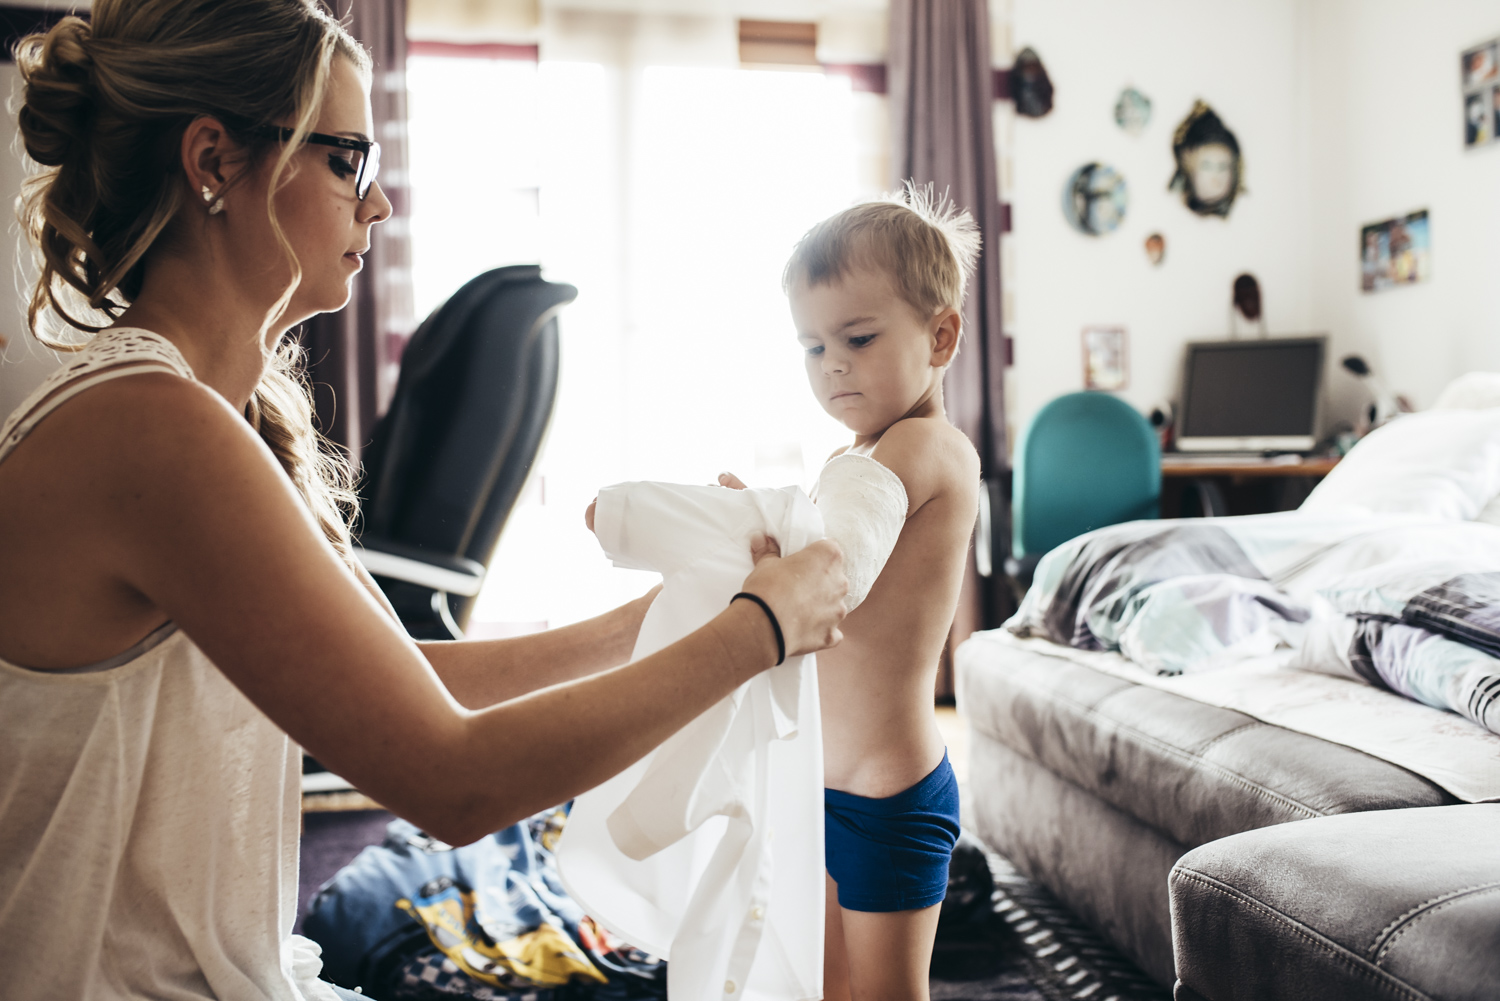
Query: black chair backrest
pixel 448 460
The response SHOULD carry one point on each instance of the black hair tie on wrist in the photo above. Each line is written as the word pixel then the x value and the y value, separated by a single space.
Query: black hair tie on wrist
pixel 775 626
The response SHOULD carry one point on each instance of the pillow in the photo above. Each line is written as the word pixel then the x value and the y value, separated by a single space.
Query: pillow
pixel 1474 391
pixel 1490 513
pixel 1440 463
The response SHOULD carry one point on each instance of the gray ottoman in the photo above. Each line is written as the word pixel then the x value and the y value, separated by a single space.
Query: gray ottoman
pixel 1390 904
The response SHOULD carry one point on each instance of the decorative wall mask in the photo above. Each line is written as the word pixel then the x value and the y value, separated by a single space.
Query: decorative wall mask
pixel 1095 199
pixel 1030 87
pixel 1156 249
pixel 1210 172
pixel 1247 297
pixel 1245 303
pixel 1133 111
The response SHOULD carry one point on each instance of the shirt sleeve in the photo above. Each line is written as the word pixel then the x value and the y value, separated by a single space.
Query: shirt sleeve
pixel 666 526
pixel 864 509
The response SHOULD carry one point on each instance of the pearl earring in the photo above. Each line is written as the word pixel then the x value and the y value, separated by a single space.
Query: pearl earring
pixel 217 206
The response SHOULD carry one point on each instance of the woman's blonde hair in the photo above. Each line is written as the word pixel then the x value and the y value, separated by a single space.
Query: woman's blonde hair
pixel 105 105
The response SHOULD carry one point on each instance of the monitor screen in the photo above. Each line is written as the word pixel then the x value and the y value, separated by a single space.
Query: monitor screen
pixel 1252 394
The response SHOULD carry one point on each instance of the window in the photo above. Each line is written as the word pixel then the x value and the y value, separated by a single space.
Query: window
pixel 671 196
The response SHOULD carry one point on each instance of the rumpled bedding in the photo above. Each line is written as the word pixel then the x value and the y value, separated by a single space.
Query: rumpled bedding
pixel 1404 602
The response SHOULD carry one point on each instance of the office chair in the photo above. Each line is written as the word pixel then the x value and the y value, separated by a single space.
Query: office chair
pixel 448 460
pixel 1086 460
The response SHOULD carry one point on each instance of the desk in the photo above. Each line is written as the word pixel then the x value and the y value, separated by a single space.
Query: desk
pixel 1193 486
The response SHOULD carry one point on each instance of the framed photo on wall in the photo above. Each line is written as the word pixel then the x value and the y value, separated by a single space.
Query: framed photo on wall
pixel 1106 363
pixel 1395 252
pixel 1479 70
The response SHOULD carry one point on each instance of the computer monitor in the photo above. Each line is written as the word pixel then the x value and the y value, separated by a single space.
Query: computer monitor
pixel 1251 396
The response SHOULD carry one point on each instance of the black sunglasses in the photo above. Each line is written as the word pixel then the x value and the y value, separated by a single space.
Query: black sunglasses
pixel 365 163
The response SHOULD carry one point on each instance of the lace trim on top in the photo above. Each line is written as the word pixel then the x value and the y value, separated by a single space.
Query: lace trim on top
pixel 112 353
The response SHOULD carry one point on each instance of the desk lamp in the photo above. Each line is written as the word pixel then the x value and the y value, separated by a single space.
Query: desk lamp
pixel 1385 404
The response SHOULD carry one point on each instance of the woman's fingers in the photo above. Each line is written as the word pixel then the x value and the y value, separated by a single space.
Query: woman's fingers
pixel 731 481
pixel 588 514
pixel 805 591
pixel 762 546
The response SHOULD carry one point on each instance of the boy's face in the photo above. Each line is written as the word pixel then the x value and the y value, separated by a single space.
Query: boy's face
pixel 871 358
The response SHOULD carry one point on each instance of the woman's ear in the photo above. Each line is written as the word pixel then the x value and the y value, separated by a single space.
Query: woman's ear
pixel 947 327
pixel 211 158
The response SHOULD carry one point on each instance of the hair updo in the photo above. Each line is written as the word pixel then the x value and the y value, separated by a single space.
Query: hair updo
pixel 105 105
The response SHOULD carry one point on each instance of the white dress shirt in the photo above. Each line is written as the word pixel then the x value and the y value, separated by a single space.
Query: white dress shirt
pixel 710 850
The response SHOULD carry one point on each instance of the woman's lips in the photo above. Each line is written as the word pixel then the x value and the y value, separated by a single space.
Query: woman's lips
pixel 356 259
pixel 840 396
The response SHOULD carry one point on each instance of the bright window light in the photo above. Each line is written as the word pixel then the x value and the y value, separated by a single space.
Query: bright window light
pixel 671 198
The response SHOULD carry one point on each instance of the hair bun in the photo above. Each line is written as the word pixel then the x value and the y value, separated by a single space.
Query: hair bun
pixel 59 94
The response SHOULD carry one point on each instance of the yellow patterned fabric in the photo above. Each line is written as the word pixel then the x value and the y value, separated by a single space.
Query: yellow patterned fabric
pixel 544 956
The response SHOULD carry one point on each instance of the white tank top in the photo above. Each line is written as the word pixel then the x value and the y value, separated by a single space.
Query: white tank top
pixel 149 813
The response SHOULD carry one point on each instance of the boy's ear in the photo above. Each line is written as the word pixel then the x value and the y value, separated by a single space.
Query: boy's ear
pixel 946 328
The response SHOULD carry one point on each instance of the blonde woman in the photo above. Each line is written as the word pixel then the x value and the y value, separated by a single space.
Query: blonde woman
pixel 178 605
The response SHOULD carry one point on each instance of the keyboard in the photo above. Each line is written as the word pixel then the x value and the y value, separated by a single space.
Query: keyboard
pixel 1231 459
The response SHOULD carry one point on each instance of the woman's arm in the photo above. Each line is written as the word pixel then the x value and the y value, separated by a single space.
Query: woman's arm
pixel 195 514
pixel 480 673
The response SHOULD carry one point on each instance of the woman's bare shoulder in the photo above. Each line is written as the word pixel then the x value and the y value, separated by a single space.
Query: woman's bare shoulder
pixel 139 459
pixel 145 424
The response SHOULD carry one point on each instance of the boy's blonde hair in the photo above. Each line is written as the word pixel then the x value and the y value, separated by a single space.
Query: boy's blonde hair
pixel 923 240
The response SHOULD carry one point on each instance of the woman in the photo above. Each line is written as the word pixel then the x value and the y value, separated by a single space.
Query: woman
pixel 210 185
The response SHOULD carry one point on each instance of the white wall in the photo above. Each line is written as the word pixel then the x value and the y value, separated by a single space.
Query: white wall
pixel 1347 111
pixel 1386 138
pixel 1244 59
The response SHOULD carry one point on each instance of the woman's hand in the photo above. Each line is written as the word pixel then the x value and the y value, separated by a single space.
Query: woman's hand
pixel 805 590
pixel 588 513
pixel 731 481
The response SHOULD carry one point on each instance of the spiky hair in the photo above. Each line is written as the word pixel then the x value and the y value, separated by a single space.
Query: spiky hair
pixel 927 243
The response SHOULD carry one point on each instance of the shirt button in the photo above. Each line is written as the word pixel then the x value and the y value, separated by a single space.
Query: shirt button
pixel 729 987
pixel 757 913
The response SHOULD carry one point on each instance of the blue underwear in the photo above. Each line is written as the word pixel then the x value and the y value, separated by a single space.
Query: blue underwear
pixel 892 854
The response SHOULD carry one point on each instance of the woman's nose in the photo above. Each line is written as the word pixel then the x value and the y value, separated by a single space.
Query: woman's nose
pixel 376 207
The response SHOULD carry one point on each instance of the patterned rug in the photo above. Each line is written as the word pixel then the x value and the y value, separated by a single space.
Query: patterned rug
pixel 1004 938
pixel 1001 936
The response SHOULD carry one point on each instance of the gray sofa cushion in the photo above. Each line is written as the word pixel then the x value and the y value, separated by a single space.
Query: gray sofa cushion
pixel 1194 772
pixel 1402 904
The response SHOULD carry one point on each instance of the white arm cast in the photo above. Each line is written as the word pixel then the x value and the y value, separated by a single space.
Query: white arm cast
pixel 863 506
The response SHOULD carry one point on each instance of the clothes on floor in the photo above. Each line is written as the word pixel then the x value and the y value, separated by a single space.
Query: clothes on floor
pixel 892 854
pixel 148 833
pixel 413 918
pixel 676 854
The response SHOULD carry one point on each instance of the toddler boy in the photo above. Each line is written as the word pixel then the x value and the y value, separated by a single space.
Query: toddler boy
pixel 876 293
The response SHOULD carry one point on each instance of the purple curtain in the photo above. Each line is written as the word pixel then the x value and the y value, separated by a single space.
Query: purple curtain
pixel 355 354
pixel 941 94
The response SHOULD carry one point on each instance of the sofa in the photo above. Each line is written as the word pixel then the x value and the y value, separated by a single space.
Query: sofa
pixel 1225 855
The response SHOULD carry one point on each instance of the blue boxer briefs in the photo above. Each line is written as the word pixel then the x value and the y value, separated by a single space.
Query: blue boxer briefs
pixel 892 854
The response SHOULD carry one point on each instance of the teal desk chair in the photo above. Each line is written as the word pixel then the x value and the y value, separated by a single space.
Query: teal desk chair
pixel 1086 460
